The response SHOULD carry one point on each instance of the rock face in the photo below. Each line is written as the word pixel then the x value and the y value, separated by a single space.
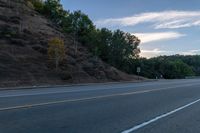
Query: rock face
pixel 24 36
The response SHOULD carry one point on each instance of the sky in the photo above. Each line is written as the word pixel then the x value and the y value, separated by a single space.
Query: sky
pixel 165 27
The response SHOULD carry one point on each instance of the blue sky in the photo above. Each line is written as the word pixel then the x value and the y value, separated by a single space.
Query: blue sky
pixel 165 27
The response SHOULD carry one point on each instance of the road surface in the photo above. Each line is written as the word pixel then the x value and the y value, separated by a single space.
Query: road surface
pixel 171 106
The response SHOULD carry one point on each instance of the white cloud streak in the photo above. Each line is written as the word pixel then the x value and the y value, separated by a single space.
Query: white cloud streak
pixel 191 52
pixel 160 20
pixel 153 53
pixel 157 52
pixel 158 36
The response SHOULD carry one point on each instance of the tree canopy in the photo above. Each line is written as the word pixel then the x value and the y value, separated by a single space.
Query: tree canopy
pixel 170 67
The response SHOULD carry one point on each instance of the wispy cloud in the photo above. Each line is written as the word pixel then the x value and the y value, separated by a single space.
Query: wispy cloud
pixel 166 19
pixel 191 52
pixel 158 36
pixel 153 53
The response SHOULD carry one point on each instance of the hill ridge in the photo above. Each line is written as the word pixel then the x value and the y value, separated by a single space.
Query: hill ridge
pixel 23 52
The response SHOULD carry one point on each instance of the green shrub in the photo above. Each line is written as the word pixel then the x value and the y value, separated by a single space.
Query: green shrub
pixel 38 5
pixel 30 5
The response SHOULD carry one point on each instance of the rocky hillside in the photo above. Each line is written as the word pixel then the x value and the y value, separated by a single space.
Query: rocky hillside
pixel 24 36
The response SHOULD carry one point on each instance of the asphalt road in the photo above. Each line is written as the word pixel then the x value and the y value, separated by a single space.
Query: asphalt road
pixel 171 106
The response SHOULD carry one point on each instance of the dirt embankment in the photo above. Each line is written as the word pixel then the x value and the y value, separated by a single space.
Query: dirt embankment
pixel 24 36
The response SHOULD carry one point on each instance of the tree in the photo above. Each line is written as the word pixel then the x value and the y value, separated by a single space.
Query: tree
pixel 38 5
pixel 124 47
pixel 99 42
pixel 103 43
pixel 133 42
pixel 79 26
pixel 56 51
pixel 54 10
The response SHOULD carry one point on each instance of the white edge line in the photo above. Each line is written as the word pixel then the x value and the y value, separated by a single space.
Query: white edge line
pixel 158 118
pixel 68 91
pixel 71 91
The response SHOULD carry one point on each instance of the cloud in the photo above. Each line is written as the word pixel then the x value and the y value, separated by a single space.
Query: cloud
pixel 153 53
pixel 157 52
pixel 165 19
pixel 157 36
pixel 191 52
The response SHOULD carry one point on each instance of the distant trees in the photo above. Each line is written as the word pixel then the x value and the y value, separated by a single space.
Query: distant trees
pixel 170 67
pixel 56 51
pixel 192 61
pixel 175 69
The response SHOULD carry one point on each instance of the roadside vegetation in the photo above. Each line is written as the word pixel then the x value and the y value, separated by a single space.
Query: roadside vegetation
pixel 169 67
pixel 117 48
pixel 56 51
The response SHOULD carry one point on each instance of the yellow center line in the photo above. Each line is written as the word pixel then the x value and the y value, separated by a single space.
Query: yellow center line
pixel 88 98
